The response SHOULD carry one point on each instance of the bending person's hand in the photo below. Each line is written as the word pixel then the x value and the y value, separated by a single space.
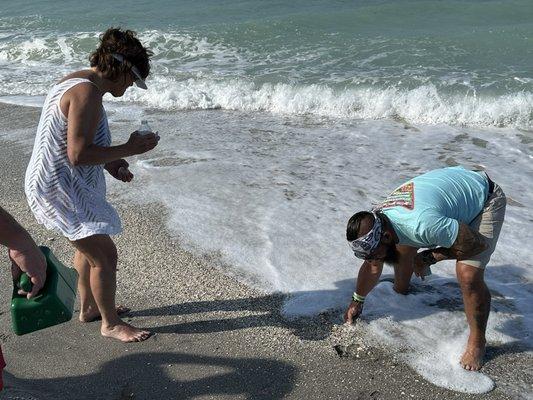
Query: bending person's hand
pixel 139 144
pixel 353 312
pixel 31 261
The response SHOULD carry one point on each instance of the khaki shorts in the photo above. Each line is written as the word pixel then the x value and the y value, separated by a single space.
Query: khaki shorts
pixel 489 223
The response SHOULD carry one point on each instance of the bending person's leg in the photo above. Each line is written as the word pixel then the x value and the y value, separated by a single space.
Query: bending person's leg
pixel 476 298
pixel 470 273
pixel 88 308
pixel 101 255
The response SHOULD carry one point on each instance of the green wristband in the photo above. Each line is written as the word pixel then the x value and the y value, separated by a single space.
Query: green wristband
pixel 358 298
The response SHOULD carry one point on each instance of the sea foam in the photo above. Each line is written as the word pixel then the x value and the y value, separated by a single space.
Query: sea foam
pixel 421 105
pixel 269 197
pixel 193 72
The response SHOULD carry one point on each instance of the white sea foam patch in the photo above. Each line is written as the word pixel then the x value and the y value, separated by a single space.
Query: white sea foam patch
pixel 32 62
pixel 48 48
pixel 426 329
pixel 424 104
pixel 270 196
pixel 175 51
pixel 180 52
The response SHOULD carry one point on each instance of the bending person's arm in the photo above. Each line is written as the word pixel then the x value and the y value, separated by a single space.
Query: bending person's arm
pixel 467 244
pixel 23 252
pixel 367 278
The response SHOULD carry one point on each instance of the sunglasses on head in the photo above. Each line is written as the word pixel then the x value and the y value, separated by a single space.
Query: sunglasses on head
pixel 363 255
pixel 137 78
pixel 365 246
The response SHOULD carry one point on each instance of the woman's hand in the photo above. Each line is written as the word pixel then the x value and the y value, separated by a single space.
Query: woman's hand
pixel 353 312
pixel 139 144
pixel 119 170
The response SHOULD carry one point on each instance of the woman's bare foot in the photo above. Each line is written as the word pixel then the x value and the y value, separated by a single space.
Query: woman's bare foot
pixel 124 332
pixel 91 313
pixel 472 358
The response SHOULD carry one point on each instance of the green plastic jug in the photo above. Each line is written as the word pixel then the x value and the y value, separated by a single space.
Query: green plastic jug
pixel 53 305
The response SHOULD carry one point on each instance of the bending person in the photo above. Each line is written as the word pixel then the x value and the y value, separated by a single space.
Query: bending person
pixel 65 183
pixel 455 213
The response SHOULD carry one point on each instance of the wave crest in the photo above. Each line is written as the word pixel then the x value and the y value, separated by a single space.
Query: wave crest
pixel 423 105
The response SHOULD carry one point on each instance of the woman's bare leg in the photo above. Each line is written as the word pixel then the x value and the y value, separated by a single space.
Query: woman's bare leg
pixel 101 256
pixel 88 310
pixel 87 300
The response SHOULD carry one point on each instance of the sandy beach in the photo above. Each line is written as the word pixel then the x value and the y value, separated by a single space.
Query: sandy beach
pixel 214 337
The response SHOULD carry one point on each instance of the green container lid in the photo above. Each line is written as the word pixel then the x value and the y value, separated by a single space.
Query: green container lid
pixel 53 305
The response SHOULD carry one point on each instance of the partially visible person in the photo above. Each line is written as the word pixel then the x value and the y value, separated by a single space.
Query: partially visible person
pixel 454 213
pixel 65 184
pixel 24 254
pixel 25 257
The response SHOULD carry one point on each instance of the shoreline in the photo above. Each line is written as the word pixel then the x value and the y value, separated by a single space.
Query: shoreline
pixel 215 337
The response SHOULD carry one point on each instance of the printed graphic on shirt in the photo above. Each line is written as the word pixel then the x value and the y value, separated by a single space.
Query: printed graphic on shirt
pixel 404 196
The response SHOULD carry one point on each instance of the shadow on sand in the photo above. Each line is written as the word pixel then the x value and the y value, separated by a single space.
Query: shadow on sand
pixel 164 376
pixel 266 309
pixel 439 293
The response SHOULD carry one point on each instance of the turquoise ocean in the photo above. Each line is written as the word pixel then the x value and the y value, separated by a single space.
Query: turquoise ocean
pixel 279 120
pixel 457 62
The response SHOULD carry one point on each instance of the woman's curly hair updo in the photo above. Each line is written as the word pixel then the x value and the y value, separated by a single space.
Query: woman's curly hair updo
pixel 118 41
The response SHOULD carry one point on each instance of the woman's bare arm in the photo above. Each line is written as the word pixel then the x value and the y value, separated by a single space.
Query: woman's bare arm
pixel 82 105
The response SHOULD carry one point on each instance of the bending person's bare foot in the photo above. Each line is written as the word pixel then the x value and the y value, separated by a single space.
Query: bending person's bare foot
pixel 91 313
pixel 472 358
pixel 124 332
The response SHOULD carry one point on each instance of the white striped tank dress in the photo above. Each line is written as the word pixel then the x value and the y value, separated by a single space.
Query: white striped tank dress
pixel 66 198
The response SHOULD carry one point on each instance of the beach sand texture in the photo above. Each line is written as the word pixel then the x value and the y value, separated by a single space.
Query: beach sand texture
pixel 214 338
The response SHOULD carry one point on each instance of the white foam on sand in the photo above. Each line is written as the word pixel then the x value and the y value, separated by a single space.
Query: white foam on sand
pixel 429 338
pixel 270 198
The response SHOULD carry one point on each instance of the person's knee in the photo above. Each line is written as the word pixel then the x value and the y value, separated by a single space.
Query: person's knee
pixel 469 277
pixel 101 253
pixel 109 257
pixel 80 260
pixel 401 288
pixel 402 279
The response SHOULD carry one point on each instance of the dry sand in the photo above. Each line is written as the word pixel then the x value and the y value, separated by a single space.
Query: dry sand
pixel 214 337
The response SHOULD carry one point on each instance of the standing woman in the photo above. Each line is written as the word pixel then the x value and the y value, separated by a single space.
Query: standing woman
pixel 65 184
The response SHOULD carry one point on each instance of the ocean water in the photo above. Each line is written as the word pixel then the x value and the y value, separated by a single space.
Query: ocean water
pixel 279 120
